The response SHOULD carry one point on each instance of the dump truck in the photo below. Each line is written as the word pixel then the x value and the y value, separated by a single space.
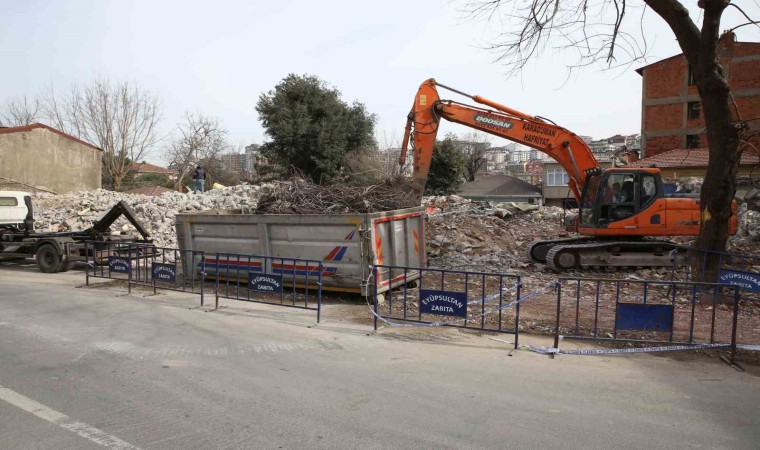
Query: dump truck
pixel 348 245
pixel 58 251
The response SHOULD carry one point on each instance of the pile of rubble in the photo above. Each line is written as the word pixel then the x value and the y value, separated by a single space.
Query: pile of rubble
pixel 464 234
pixel 481 236
pixel 461 234
pixel 79 210
pixel 686 185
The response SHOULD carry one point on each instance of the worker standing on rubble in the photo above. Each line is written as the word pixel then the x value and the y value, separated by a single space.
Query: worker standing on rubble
pixel 199 178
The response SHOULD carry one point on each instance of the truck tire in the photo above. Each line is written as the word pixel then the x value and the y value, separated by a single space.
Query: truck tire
pixel 66 266
pixel 48 258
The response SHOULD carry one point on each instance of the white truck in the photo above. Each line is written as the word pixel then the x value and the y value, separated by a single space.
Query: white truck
pixel 15 209
pixel 57 251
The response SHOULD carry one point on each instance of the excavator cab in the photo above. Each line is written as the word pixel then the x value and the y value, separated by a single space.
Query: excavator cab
pixel 615 195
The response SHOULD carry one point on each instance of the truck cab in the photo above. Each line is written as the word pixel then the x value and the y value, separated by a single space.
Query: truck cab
pixel 16 211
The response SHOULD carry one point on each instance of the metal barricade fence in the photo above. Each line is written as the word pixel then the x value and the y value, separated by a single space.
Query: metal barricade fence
pixel 290 282
pixel 112 260
pixel 653 312
pixel 734 269
pixel 167 268
pixel 483 301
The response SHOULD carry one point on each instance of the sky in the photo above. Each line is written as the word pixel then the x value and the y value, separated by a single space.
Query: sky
pixel 216 58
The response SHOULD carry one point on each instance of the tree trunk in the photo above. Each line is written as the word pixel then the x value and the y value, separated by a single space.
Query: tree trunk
pixel 719 186
pixel 117 179
pixel 701 49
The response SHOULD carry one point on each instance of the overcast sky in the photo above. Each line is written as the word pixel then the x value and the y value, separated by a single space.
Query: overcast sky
pixel 216 57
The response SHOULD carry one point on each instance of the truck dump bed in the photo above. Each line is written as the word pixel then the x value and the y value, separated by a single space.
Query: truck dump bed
pixel 347 244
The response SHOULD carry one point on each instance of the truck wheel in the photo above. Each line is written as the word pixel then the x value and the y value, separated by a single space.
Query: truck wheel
pixel 66 266
pixel 48 259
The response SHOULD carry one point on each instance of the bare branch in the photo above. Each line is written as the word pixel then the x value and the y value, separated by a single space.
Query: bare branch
pixel 119 118
pixel 746 16
pixel 592 30
pixel 677 17
pixel 20 111
pixel 199 138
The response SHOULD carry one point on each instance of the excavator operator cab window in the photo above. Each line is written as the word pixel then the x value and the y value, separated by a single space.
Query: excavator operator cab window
pixel 588 201
pixel 618 198
pixel 648 190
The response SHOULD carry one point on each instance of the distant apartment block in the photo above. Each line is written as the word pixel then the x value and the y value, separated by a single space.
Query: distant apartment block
pixel 243 163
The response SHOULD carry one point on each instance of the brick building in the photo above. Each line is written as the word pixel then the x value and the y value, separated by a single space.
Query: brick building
pixel 671 113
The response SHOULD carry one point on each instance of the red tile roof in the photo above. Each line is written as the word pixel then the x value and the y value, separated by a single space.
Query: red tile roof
pixel 151 168
pixel 688 157
pixel 31 127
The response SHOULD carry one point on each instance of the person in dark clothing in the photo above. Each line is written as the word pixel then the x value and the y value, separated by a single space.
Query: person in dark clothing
pixel 199 178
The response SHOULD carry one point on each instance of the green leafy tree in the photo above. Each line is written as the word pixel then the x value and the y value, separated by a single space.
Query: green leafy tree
pixel 310 128
pixel 446 168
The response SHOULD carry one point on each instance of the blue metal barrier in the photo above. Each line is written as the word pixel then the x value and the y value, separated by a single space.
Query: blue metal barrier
pixel 483 301
pixel 111 260
pixel 169 269
pixel 657 312
pixel 734 269
pixel 291 282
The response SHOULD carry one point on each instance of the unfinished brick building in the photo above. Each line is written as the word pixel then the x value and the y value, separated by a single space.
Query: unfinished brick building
pixel 671 112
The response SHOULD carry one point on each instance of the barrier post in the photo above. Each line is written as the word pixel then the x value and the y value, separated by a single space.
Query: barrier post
pixel 374 283
pixel 556 328
pixel 86 264
pixel 319 291
pixel 517 314
pixel 735 324
pixel 203 272
pixel 153 261
pixel 129 272
pixel 216 284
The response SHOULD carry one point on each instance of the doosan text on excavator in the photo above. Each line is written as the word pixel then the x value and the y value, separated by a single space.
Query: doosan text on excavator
pixel 621 210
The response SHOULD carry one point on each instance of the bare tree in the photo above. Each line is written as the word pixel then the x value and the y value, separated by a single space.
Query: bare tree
pixel 474 147
pixel 120 118
pixel 20 111
pixel 198 139
pixel 597 33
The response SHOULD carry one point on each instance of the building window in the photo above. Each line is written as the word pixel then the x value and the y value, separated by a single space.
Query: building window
pixel 692 141
pixel 692 82
pixel 693 110
pixel 557 177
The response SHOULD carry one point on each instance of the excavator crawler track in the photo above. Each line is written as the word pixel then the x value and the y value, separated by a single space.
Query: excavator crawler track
pixel 539 249
pixel 613 254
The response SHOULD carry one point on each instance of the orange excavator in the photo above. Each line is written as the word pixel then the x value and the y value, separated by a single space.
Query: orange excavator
pixel 620 210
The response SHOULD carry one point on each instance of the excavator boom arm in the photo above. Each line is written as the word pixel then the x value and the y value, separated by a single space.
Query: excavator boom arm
pixel 565 147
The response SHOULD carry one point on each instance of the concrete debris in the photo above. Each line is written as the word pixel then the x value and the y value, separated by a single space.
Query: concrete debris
pixel 477 236
pixel 686 185
pixel 460 233
pixel 746 189
pixel 79 210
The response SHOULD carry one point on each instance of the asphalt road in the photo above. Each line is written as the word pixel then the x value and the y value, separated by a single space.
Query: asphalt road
pixel 94 368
